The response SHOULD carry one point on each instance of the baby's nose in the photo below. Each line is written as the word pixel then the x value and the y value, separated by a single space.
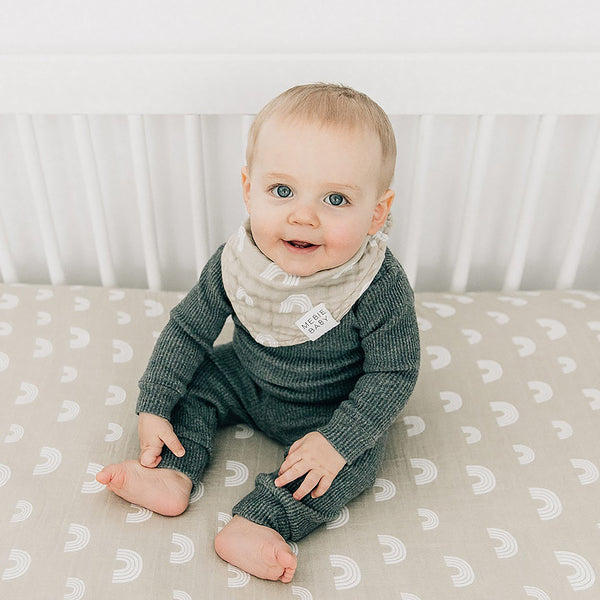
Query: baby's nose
pixel 303 213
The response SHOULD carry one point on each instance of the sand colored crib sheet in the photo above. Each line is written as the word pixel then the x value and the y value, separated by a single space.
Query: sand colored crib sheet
pixel 490 486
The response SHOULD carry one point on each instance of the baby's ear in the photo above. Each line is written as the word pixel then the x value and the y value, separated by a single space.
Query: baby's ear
pixel 246 187
pixel 381 211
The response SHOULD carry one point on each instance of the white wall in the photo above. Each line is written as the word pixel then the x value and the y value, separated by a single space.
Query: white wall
pixel 285 26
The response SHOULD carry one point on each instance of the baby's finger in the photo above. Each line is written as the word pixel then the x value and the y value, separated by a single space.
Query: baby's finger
pixel 149 457
pixel 309 483
pixel 290 475
pixel 173 443
pixel 323 486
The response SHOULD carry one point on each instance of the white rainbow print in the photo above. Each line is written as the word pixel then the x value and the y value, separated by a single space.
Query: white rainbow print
pixel 464 575
pixel 52 458
pixel 301 302
pixel 115 432
pixel 430 518
pixel 526 345
pixel 440 356
pixel 242 294
pixel 138 515
pixel 510 414
pixel 23 510
pixel 80 338
pixel 30 393
pixel 589 470
pixel 153 308
pixel 552 506
pixel 4 474
pixel 500 317
pixel 69 374
pixel 452 401
pixel 81 538
pixel 487 479
pixel 543 391
pixel 243 432
pixel 472 434
pixel 491 370
pixel 8 301
pixel 535 592
pixel 77 587
pixel 81 304
pixel 554 329
pixel 22 560
pixel 186 549
pixel 508 545
pixel 272 272
pixel 240 473
pixel 92 487
pixel 43 318
pixel 527 455
pixel 563 429
pixel 116 395
pixel 594 394
pixel 69 411
pixel 567 364
pixel 350 576
pixel 122 351
pixel 388 490
pixel 123 318
pixel 341 520
pixel 180 595
pixel 15 434
pixel 428 470
pixel 239 579
pixel 396 549
pixel 132 569
pixel 4 361
pixel 301 593
pixel 473 336
pixel 414 425
pixel 583 576
pixel 43 348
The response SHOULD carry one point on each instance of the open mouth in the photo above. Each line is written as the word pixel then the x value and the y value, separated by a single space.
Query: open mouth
pixel 299 245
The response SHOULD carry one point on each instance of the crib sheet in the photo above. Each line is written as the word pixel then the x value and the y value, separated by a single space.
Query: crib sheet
pixel 490 487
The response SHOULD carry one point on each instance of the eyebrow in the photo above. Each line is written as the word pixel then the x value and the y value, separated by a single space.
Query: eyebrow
pixel 285 176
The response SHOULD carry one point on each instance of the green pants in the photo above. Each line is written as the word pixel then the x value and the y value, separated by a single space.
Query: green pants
pixel 222 394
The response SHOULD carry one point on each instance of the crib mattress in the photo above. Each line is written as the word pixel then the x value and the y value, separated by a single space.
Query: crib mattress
pixel 490 486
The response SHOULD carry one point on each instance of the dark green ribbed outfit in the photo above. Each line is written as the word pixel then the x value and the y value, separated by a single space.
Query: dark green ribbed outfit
pixel 350 385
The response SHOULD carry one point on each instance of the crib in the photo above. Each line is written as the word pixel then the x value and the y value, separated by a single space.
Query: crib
pixel 119 176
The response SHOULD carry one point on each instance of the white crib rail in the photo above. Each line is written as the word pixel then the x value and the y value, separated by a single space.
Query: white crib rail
pixel 423 87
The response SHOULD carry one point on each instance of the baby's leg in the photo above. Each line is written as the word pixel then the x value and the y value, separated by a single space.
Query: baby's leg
pixel 212 400
pixel 294 519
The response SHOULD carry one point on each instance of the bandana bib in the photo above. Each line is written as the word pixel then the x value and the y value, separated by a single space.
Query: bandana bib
pixel 279 309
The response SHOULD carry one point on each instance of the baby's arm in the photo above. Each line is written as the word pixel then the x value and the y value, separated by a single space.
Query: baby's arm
pixel 154 432
pixel 314 457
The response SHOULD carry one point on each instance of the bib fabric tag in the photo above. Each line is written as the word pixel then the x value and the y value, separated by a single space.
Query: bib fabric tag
pixel 316 322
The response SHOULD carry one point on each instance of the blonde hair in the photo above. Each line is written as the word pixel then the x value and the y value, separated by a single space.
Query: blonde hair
pixel 335 104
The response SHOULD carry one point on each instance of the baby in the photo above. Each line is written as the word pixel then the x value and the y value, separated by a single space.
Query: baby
pixel 325 351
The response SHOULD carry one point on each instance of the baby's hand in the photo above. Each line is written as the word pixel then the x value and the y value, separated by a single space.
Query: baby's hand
pixel 154 433
pixel 314 457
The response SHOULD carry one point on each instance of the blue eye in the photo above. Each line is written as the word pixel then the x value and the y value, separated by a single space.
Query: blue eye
pixel 336 200
pixel 282 191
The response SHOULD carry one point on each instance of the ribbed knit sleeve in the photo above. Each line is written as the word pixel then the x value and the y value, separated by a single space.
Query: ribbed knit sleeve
pixel 194 325
pixel 390 341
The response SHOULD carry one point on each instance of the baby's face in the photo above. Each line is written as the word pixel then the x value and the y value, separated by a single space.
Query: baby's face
pixel 313 193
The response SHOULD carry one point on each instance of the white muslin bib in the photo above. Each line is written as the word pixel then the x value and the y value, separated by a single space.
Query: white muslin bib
pixel 279 309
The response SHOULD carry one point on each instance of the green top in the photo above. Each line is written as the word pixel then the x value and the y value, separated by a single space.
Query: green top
pixel 367 366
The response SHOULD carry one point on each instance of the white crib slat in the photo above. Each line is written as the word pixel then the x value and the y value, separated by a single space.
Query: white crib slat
pixel 516 266
pixel 417 207
pixel 197 178
pixel 40 197
pixel 91 180
pixel 591 198
pixel 144 196
pixel 7 265
pixel 479 163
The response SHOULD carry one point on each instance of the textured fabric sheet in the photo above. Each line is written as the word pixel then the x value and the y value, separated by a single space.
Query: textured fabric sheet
pixel 490 487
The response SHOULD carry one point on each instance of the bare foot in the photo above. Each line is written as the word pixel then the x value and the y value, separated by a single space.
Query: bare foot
pixel 164 491
pixel 256 549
